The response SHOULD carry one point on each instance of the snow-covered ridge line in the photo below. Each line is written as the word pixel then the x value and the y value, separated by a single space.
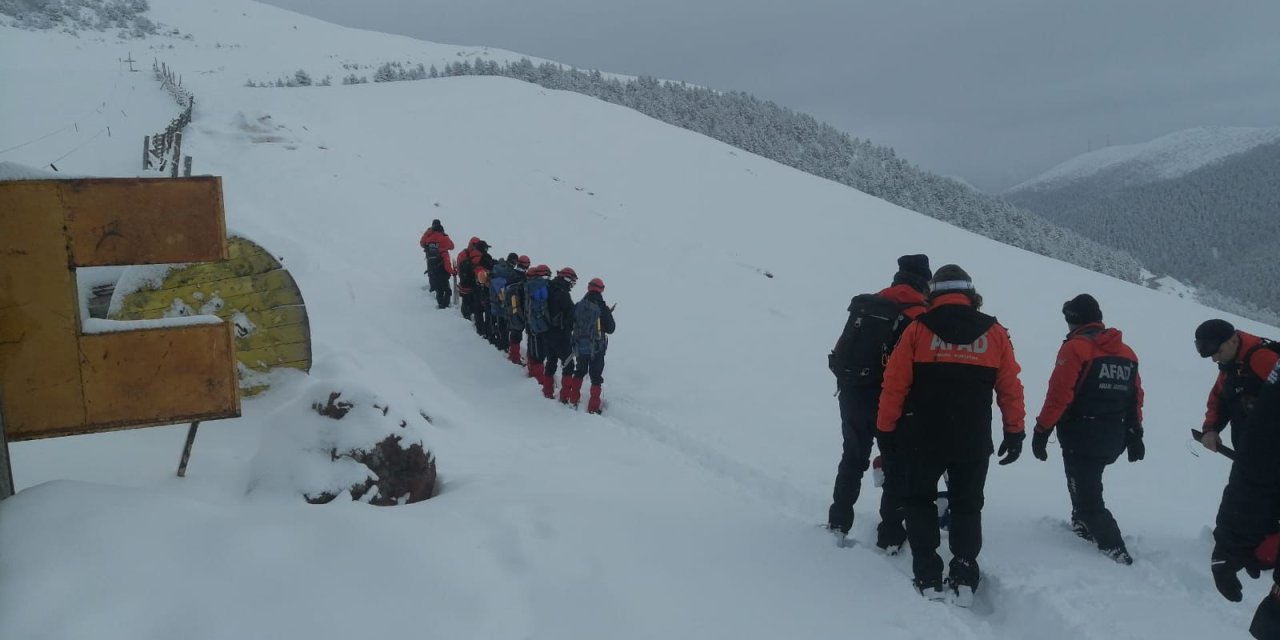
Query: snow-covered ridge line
pixel 1168 156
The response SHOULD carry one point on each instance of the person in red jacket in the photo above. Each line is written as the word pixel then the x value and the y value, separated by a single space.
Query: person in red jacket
pixel 1095 401
pixel 935 413
pixel 437 244
pixel 466 276
pixel 858 391
pixel 1244 361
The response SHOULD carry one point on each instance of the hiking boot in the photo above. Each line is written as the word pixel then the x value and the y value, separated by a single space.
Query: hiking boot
pixel 1079 528
pixel 594 404
pixel 930 588
pixel 566 388
pixel 1119 554
pixel 962 581
pixel 890 538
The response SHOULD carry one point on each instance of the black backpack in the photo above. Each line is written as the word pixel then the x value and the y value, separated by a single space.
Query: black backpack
pixel 434 263
pixel 874 326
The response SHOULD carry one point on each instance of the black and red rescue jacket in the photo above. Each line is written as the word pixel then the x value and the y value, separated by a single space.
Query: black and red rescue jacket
pixel 939 382
pixel 1095 393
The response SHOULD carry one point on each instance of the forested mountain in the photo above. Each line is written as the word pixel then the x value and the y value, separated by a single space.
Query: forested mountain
pixel 800 141
pixel 1170 156
pixel 1207 227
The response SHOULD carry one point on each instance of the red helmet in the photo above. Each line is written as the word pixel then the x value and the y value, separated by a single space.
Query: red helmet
pixel 540 270
pixel 596 285
pixel 568 274
pixel 523 261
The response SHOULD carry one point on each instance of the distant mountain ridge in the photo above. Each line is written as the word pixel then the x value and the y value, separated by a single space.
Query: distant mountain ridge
pixel 1169 156
pixel 1202 219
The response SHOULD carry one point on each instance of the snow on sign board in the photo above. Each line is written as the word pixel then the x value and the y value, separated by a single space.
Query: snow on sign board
pixel 58 380
pixel 250 290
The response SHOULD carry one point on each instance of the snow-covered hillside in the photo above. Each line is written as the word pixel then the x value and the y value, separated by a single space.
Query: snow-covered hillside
pixel 1169 156
pixel 690 509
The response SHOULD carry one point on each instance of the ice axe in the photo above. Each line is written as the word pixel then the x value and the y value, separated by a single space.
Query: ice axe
pixel 1226 451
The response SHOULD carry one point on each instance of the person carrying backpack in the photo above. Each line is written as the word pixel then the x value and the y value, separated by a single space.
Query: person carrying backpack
pixel 513 303
pixel 1244 361
pixel 481 267
pixel 436 245
pixel 935 413
pixel 1095 401
pixel 498 280
pixel 466 273
pixel 874 325
pixel 556 338
pixel 537 319
pixel 593 323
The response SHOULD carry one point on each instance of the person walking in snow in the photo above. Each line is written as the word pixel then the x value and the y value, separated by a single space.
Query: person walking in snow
pixel 935 413
pixel 436 244
pixel 481 268
pixel 503 272
pixel 1250 509
pixel 1244 361
pixel 513 301
pixel 466 276
pixel 537 318
pixel 875 323
pixel 556 338
pixel 593 324
pixel 1095 401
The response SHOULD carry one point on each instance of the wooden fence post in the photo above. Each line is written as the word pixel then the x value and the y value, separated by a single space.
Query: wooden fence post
pixel 146 152
pixel 177 155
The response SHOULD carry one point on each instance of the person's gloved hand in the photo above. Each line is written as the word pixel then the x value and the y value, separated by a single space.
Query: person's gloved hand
pixel 1225 569
pixel 1133 444
pixel 1012 446
pixel 888 442
pixel 1040 443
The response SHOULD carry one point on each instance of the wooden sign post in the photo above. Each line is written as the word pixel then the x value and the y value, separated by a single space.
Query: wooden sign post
pixel 55 379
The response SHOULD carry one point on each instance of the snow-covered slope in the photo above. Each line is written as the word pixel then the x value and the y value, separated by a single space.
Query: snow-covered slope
pixel 689 510
pixel 1169 156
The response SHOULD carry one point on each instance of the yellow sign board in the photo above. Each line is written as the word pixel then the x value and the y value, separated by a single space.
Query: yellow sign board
pixel 58 381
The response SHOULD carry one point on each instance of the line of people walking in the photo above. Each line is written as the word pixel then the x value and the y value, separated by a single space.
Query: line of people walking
pixel 917 366
pixel 511 302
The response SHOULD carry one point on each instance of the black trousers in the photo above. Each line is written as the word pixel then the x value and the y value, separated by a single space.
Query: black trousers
pixel 1084 483
pixel 557 351
pixel 967 482
pixel 593 365
pixel 858 409
pixel 440 285
pixel 480 311
pixel 537 348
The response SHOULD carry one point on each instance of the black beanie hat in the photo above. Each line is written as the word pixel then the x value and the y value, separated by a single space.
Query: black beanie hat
pixel 913 270
pixel 950 277
pixel 1211 334
pixel 1082 309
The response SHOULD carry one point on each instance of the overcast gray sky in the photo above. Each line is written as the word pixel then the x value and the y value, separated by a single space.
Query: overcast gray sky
pixel 993 91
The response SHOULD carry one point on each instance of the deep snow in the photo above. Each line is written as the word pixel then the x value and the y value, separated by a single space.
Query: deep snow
pixel 690 510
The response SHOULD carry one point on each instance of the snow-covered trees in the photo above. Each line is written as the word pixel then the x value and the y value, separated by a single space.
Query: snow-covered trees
pixel 1207 228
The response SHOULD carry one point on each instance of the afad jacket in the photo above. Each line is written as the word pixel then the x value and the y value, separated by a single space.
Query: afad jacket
pixel 1095 393
pixel 939 383
pixel 1238 383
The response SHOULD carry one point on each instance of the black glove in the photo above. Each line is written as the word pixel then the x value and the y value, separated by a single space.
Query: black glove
pixel 1225 569
pixel 1012 445
pixel 1133 444
pixel 888 443
pixel 1040 444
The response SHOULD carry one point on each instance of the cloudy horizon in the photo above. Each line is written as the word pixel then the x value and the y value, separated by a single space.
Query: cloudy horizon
pixel 991 91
